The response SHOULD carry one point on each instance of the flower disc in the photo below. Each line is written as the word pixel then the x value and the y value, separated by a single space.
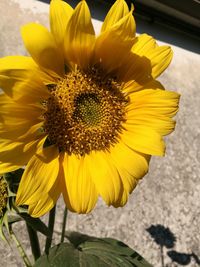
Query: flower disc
pixel 85 112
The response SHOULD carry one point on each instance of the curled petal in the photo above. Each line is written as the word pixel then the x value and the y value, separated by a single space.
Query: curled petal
pixel 159 56
pixel 118 10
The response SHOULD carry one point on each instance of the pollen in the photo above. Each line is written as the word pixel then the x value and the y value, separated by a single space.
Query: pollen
pixel 85 112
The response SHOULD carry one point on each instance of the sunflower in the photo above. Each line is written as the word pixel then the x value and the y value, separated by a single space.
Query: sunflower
pixel 84 113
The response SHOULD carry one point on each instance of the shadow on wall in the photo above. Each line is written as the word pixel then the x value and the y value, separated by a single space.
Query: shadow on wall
pixel 99 9
pixel 163 237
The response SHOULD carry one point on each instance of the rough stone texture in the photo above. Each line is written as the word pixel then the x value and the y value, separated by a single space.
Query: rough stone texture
pixel 169 194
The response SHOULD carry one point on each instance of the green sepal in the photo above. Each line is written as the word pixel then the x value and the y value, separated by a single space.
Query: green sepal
pixel 3 222
pixel 90 251
pixel 6 221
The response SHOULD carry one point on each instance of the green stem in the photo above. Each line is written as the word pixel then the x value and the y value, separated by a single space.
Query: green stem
pixel 35 245
pixel 52 214
pixel 64 225
pixel 20 249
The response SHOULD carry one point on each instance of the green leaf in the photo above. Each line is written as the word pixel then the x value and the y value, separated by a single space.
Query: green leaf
pixel 36 224
pixel 87 251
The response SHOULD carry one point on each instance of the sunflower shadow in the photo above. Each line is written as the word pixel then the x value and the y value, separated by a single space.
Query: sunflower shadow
pixel 164 238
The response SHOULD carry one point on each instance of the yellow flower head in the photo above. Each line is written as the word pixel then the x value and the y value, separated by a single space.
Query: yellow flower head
pixel 84 113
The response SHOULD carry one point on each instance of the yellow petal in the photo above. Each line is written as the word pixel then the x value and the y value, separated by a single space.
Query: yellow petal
pixel 160 102
pixel 79 190
pixel 27 64
pixel 134 86
pixel 33 133
pixel 160 60
pixel 25 132
pixel 128 161
pixel 14 127
pixel 143 44
pixel 17 62
pixel 143 139
pixel 123 198
pixel 60 12
pixel 13 132
pixel 113 45
pixel 26 122
pixel 40 175
pixel 161 124
pixel 131 166
pixel 21 112
pixel 105 176
pixel 80 36
pixel 153 108
pixel 42 47
pixel 45 201
pixel 118 10
pixel 19 129
pixel 14 155
pixel 159 56
pixel 20 80
pixel 134 72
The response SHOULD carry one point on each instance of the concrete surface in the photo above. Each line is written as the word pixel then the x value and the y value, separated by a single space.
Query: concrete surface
pixel 169 196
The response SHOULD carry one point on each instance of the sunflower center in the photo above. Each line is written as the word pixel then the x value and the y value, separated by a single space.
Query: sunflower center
pixel 88 110
pixel 85 112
